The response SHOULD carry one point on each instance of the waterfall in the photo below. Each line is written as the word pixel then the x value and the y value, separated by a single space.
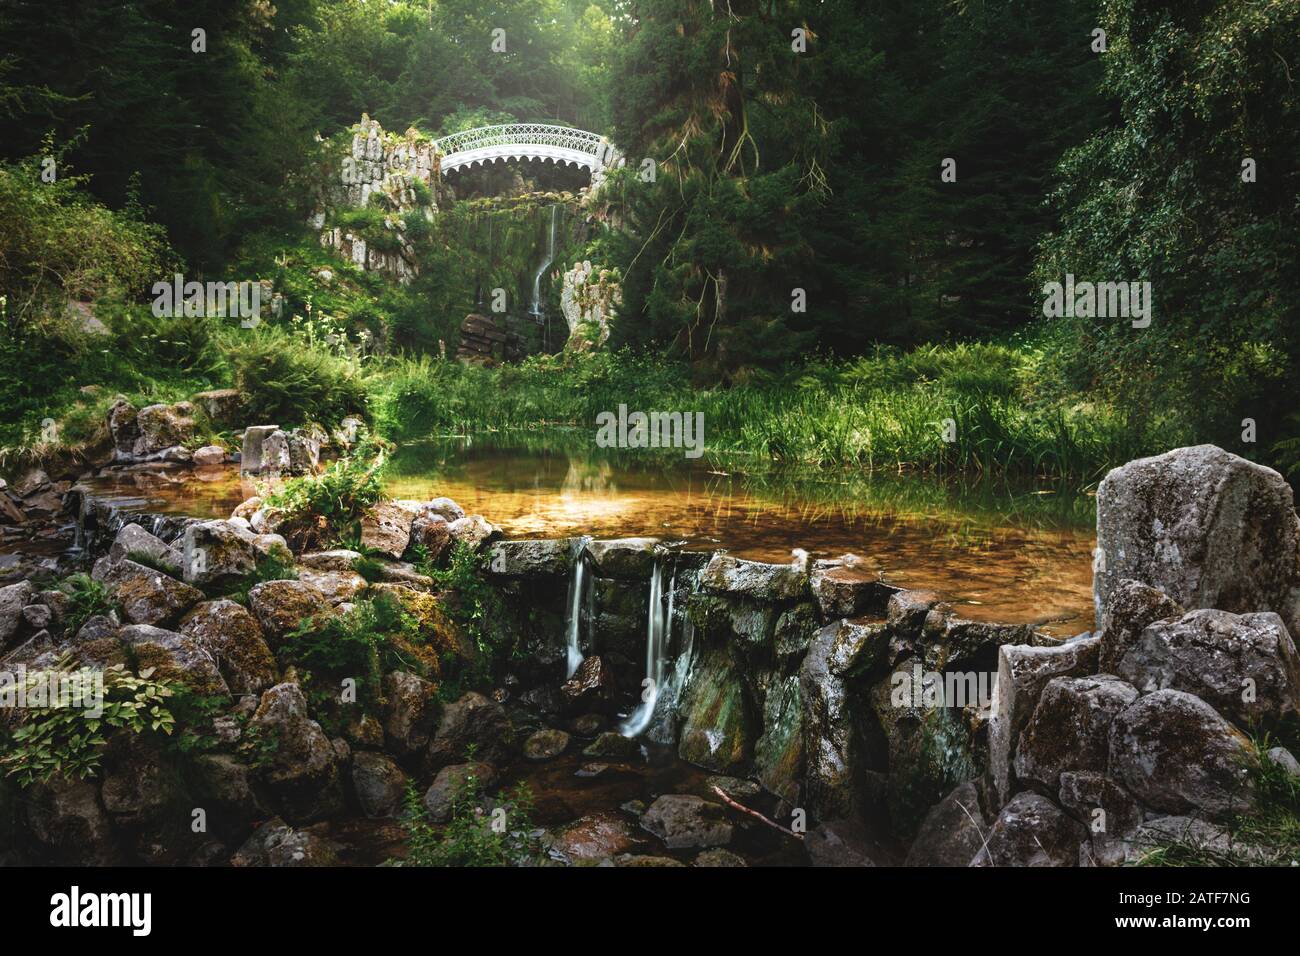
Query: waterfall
pixel 546 264
pixel 577 582
pixel 659 625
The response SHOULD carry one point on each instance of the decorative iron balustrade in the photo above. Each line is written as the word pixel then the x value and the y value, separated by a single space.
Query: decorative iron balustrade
pixel 523 134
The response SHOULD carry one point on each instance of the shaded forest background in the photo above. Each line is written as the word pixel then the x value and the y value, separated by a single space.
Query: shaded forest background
pixel 777 170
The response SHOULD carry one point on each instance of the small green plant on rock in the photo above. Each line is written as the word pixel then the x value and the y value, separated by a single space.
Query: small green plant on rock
pixel 482 831
pixel 86 598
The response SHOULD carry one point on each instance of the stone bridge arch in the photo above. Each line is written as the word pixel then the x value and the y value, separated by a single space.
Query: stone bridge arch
pixel 532 141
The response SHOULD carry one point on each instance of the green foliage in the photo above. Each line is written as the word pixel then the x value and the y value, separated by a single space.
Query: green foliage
pixel 271 567
pixel 475 604
pixel 289 384
pixel 86 598
pixel 482 831
pixel 339 495
pixel 68 739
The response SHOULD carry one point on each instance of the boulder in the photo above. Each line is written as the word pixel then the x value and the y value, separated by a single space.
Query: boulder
pixel 1174 753
pixel 591 689
pixel 1206 527
pixel 133 542
pixel 953 831
pixel 338 587
pixel 906 611
pixel 223 406
pixel 597 836
pixel 175 658
pixel 232 636
pixel 162 427
pixel 290 453
pixel 1070 728
pixel 209 456
pixel 473 531
pixel 451 783
pixel 546 744
pixel 303 768
pixel 623 558
pixel 65 818
pixel 1023 672
pixel 386 528
pixel 684 820
pixel 140 785
pixel 219 553
pixel 340 559
pixel 281 606
pixel 379 783
pixel 718 732
pixel 1243 665
pixel 226 789
pixel 147 596
pixel 611 744
pixel 122 427
pixel 12 601
pixel 1031 831
pixel 779 750
pixel 725 574
pixel 847 588
pixel 718 857
pixel 842 843
pixel 277 844
pixel 472 720
pixel 410 712
pixel 1132 606
pixel 432 533
pixel 1108 812
pixel 251 455
pixel 530 558
pixel 444 508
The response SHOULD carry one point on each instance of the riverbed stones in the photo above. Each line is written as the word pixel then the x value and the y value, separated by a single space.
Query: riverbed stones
pixel 842 843
pixel 209 456
pixel 1176 754
pixel 1243 665
pixel 379 784
pixel 953 831
pixel 1070 728
pixel 546 744
pixel 234 638
pixel 684 820
pixel 1206 527
pixel 147 596
pixel 282 606
pixel 1023 672
pixel 725 574
pixel 472 720
pixel 596 836
pixel 303 768
pixel 612 744
pixel 276 844
pixel 1031 831
pixel 529 558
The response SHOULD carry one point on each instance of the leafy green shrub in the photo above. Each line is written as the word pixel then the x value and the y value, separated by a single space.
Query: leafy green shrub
pixel 86 598
pixel 69 740
pixel 474 837
pixel 338 496
pixel 287 382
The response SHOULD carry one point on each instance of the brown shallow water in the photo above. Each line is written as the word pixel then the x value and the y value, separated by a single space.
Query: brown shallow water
pixel 1019 555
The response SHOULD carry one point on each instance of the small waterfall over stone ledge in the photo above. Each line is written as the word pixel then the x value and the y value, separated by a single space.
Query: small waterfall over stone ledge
pixel 579 587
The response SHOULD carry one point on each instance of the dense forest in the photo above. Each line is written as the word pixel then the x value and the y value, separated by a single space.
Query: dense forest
pixel 858 200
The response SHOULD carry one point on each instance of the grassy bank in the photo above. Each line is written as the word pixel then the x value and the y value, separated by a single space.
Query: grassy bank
pixel 888 411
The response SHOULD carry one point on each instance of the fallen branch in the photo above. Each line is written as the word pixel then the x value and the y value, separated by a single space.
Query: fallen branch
pixel 754 813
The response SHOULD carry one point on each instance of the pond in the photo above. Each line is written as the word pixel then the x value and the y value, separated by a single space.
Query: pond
pixel 1016 554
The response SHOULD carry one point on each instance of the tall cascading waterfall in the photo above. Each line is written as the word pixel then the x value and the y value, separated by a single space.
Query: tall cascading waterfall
pixel 577 585
pixel 659 623
pixel 546 264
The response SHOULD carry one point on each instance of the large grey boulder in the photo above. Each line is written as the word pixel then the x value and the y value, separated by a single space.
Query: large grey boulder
pixel 953 831
pixel 134 542
pixel 472 720
pixel 624 558
pixel 1070 728
pixel 847 588
pixel 303 768
pixel 379 784
pixel 219 552
pixel 1106 809
pixel 276 844
pixel 162 427
pixel 454 783
pixel 1032 831
pixel 410 710
pixel 281 606
pixel 1023 672
pixel 1243 665
pixel 529 558
pixel 1174 753
pixel 386 528
pixel 1131 608
pixel 232 636
pixel 1206 527
pixel 145 595
pixel 725 574
pixel 12 601
pixel 684 820
pixel 175 658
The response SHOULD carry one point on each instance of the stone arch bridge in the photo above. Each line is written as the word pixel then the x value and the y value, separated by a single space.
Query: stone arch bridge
pixel 532 141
